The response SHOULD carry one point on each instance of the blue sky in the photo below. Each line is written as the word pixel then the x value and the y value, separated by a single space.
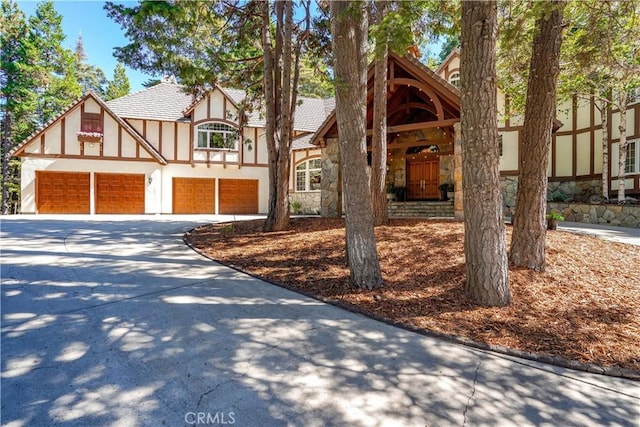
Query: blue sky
pixel 100 34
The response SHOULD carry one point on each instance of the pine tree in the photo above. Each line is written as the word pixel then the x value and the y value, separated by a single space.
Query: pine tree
pixel 18 100
pixel 90 77
pixel 119 86
pixel 55 67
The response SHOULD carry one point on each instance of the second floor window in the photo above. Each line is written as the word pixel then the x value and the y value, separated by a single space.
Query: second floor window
pixel 91 123
pixel 455 79
pixel 217 136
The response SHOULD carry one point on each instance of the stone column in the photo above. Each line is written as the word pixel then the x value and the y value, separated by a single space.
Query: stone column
pixel 457 173
pixel 331 183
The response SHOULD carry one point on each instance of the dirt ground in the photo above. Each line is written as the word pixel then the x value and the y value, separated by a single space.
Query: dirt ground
pixel 585 307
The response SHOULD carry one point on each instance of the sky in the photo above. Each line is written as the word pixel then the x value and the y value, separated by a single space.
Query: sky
pixel 100 34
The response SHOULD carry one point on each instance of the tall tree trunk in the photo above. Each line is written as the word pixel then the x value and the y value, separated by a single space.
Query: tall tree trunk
pixel 529 230
pixel 604 119
pixel 379 137
pixel 349 33
pixel 6 147
pixel 622 144
pixel 280 98
pixel 487 280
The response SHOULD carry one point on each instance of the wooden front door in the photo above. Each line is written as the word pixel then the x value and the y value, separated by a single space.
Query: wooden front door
pixel 422 179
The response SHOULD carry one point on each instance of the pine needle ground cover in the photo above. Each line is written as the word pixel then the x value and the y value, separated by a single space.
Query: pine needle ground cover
pixel 585 307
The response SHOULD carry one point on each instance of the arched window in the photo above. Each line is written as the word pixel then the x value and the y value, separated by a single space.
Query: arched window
pixel 308 175
pixel 218 136
pixel 454 79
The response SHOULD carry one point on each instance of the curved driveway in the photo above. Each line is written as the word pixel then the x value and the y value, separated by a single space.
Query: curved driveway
pixel 114 321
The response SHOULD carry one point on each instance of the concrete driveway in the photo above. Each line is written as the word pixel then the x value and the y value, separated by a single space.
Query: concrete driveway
pixel 114 321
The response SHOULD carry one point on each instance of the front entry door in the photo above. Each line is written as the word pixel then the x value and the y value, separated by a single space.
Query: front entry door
pixel 422 179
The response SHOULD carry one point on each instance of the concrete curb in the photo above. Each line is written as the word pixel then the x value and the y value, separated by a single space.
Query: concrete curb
pixel 611 371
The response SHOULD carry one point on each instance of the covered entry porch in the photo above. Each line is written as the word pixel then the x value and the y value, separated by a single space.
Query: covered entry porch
pixel 423 144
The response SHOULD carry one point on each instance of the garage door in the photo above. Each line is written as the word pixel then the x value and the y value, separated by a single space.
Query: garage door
pixel 119 193
pixel 63 192
pixel 194 196
pixel 238 196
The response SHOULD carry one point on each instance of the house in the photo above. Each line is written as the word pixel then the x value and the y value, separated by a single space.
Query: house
pixel 160 151
pixel 423 140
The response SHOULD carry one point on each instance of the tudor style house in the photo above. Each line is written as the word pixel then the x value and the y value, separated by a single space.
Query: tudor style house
pixel 161 151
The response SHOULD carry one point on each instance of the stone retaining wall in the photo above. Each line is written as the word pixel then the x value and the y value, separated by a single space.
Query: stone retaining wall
pixel 310 202
pixel 621 215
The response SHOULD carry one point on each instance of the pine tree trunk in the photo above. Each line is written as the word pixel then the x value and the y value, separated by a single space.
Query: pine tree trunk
pixel 529 230
pixel 379 137
pixel 485 250
pixel 604 118
pixel 349 31
pixel 280 99
pixel 6 132
pixel 622 144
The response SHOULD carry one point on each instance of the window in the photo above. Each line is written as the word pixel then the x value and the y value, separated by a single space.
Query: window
pixel 631 165
pixel 91 123
pixel 217 136
pixel 308 175
pixel 454 79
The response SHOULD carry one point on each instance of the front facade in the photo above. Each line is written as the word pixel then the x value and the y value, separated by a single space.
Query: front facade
pixel 155 151
pixel 161 151
pixel 575 157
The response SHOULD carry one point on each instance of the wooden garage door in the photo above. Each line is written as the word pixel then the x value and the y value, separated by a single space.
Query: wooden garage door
pixel 119 193
pixel 63 192
pixel 238 196
pixel 194 196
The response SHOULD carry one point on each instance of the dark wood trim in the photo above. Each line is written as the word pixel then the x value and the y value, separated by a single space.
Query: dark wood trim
pixel 592 134
pixel 144 129
pixel 42 143
pixel 63 135
pixel 520 149
pixel 510 128
pixel 417 126
pixel 175 141
pixel 137 150
pixel 507 111
pixel 553 155
pixel 119 141
pixel 224 107
pixel 82 156
pixel 255 146
pixel 160 137
pixel 574 137
pixel 509 173
pixel 216 120
pixel 191 143
pixel 425 88
pixel 609 163
pixel 392 75
pixel 208 105
pixel 418 143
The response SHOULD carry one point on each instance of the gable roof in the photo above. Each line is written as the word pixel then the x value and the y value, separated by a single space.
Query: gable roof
pixel 136 136
pixel 453 54
pixel 164 101
pixel 310 112
pixel 443 90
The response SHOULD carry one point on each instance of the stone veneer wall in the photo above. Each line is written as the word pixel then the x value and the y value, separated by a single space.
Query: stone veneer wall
pixel 556 190
pixel 309 201
pixel 330 186
pixel 622 215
